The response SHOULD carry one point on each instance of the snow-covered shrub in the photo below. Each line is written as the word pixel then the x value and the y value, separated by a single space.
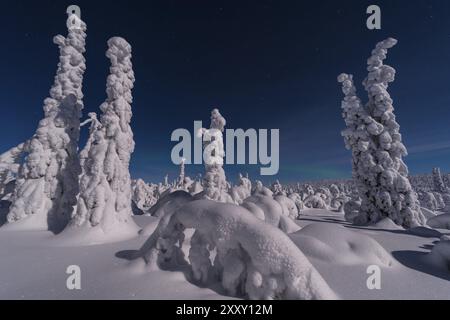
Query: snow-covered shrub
pixel 253 259
pixel 428 200
pixel 325 194
pixel 439 200
pixel 143 195
pixel 297 200
pixel 9 167
pixel 47 183
pixel 351 210
pixel 242 191
pixel 169 203
pixel 105 184
pixel 441 221
pixel 373 136
pixel 440 255
pixel 315 201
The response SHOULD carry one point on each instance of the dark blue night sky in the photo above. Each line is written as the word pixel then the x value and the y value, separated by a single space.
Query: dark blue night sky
pixel 265 64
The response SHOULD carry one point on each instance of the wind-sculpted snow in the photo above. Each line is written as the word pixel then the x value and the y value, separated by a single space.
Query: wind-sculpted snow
pixel 373 136
pixel 253 259
pixel 47 183
pixel 105 185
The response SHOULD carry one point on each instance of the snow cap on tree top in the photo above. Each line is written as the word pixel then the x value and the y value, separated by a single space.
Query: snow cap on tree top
pixel 217 121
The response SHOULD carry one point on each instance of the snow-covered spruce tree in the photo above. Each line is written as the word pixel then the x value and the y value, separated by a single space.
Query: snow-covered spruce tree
pixel 47 183
pixel 438 183
pixel 214 182
pixel 105 184
pixel 373 136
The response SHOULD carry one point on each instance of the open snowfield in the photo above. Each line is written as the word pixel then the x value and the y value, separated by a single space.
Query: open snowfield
pixel 33 264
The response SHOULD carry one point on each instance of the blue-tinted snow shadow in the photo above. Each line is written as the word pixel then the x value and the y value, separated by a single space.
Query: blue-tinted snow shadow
pixel 418 261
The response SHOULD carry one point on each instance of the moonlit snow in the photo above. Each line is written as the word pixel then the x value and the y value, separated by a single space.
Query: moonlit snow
pixel 65 204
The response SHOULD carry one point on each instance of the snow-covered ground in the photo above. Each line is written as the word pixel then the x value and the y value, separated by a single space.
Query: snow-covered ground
pixel 34 263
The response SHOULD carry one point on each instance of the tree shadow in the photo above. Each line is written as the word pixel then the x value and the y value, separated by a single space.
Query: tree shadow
pixel 4 210
pixel 213 283
pixel 423 232
pixel 417 260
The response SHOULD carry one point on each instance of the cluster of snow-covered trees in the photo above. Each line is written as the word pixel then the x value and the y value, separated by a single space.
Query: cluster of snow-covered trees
pixel 52 185
pixel 57 187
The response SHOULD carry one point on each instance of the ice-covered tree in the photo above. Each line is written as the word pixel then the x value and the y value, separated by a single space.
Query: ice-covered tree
pixel 105 184
pixel 47 183
pixel 438 183
pixel 373 136
pixel 214 182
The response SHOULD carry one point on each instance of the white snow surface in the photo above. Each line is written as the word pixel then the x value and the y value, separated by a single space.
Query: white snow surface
pixel 109 273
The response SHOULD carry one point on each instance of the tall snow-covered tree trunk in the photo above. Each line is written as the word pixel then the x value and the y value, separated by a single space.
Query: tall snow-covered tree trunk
pixel 105 184
pixel 47 183
pixel 215 182
pixel 373 136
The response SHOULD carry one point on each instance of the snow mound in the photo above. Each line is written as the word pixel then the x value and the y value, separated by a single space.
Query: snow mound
pixel 169 203
pixel 86 235
pixel 387 224
pixel 441 221
pixel 271 211
pixel 337 244
pixel 252 258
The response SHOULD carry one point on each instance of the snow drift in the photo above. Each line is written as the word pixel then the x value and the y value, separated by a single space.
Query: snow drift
pixel 337 244
pixel 252 258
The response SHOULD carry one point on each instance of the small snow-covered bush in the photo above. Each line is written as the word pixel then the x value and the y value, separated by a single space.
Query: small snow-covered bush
pixel 339 245
pixel 297 200
pixel 105 195
pixel 253 259
pixel 315 202
pixel 242 191
pixel 351 210
pixel 47 183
